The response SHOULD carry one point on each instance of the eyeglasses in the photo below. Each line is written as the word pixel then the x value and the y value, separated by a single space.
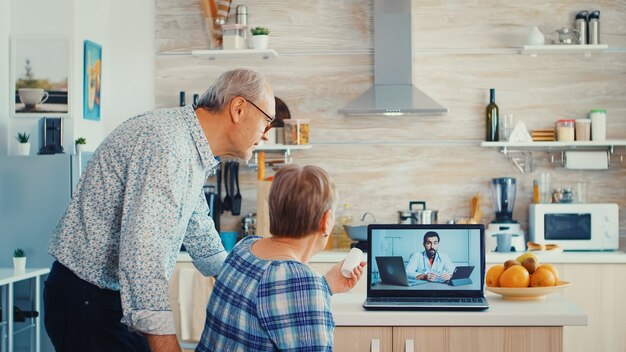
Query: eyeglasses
pixel 272 121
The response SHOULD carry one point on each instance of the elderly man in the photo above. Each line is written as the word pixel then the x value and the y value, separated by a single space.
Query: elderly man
pixel 430 264
pixel 137 201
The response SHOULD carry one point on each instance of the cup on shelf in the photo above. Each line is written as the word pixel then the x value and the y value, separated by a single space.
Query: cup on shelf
pixel 506 126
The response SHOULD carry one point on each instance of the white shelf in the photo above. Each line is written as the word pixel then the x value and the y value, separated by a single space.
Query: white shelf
pixel 281 147
pixel 235 54
pixel 521 154
pixel 557 145
pixel 587 50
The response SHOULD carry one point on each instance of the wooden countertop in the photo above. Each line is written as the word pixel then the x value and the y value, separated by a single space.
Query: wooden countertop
pixel 554 310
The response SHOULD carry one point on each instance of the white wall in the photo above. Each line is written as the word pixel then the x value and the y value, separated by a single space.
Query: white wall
pixel 126 32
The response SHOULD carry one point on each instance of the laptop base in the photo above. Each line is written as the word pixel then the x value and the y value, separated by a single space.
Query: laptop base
pixel 378 305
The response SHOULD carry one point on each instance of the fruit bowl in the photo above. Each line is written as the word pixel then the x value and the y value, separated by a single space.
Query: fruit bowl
pixel 527 293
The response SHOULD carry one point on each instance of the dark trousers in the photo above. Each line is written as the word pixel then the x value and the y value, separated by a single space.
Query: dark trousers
pixel 80 316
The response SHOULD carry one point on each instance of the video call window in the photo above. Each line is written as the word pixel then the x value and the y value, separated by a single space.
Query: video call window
pixel 401 260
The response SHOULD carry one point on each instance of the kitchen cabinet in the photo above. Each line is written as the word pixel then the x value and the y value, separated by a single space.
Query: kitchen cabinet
pixel 505 326
pixel 362 339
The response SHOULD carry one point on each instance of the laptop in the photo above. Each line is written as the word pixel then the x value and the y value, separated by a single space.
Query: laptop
pixel 392 272
pixel 458 265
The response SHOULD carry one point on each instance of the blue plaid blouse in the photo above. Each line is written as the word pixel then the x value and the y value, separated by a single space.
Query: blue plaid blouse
pixel 267 305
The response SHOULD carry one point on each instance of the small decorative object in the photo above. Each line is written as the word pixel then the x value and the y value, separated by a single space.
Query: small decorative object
pixel 19 260
pixel 24 147
pixel 80 143
pixel 535 37
pixel 91 80
pixel 260 37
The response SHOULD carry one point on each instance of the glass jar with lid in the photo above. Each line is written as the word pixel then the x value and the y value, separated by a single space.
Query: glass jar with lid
pixel 234 36
pixel 565 130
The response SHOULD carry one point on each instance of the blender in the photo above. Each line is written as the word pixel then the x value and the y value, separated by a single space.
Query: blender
pixel 503 192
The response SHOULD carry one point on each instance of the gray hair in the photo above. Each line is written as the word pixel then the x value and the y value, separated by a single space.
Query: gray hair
pixel 241 82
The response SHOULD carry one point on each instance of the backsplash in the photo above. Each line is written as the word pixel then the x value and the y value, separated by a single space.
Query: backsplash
pixel 460 51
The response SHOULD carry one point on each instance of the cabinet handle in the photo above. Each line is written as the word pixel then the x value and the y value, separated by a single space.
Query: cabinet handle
pixel 408 346
pixel 375 346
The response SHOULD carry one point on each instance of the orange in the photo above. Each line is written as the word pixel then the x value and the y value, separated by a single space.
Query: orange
pixel 515 276
pixel 542 277
pixel 493 275
pixel 552 270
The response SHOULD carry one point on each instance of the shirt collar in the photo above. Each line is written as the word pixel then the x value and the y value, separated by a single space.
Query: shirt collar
pixel 199 139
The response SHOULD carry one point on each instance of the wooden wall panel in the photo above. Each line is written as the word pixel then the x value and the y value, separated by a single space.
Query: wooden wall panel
pixel 380 163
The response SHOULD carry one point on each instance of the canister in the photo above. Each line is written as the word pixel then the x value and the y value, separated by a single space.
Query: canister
pixel 598 124
pixel 583 130
pixel 234 36
pixel 594 27
pixel 565 130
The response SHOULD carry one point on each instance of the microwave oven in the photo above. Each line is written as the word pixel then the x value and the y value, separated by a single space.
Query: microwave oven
pixel 575 226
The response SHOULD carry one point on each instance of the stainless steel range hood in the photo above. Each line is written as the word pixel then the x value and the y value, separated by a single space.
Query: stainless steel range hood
pixel 393 92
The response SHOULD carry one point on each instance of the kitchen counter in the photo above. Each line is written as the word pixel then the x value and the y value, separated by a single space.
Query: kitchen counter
pixel 606 257
pixel 554 310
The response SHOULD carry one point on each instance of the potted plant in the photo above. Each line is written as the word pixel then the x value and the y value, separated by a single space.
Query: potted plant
pixel 260 37
pixel 80 143
pixel 24 147
pixel 19 260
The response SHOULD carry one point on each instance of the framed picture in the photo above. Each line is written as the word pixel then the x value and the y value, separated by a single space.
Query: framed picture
pixel 41 76
pixel 91 80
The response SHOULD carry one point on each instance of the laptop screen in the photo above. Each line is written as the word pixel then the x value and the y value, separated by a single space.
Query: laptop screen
pixel 425 260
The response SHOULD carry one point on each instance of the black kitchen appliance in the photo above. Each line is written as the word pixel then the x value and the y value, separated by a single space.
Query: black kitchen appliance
pixel 51 135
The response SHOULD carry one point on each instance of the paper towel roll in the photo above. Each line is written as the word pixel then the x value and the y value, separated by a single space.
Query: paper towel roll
pixel 185 297
pixel 587 160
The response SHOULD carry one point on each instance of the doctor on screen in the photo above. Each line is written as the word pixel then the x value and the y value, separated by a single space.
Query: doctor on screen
pixel 430 264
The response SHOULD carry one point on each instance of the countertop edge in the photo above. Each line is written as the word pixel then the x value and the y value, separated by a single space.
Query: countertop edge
pixel 554 310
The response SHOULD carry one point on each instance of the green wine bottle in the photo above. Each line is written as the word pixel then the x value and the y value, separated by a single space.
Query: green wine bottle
pixel 492 114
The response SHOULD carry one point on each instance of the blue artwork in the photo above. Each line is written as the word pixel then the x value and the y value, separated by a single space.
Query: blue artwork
pixel 92 78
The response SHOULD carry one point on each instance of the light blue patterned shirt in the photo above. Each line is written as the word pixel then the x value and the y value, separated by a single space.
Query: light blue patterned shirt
pixel 138 199
pixel 267 305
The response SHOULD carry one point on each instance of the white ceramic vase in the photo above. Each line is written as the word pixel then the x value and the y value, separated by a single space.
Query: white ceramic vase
pixel 19 264
pixel 23 149
pixel 79 148
pixel 535 37
pixel 259 42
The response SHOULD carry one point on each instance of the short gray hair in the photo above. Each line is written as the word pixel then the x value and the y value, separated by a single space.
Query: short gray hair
pixel 241 82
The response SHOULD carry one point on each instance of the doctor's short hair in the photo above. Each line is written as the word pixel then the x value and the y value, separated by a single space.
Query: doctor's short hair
pixel 299 197
pixel 240 82
pixel 431 234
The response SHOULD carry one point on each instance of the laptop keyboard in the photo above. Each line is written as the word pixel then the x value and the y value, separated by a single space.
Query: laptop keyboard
pixel 427 300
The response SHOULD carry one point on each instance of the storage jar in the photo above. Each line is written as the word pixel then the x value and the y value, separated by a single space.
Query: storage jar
pixel 234 36
pixel 565 130
pixel 583 130
pixel 297 131
pixel 598 124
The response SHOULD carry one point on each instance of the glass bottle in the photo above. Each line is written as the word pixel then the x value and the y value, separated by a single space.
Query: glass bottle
pixel 341 239
pixel 492 114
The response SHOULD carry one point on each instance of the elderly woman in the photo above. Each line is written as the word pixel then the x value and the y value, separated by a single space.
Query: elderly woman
pixel 266 297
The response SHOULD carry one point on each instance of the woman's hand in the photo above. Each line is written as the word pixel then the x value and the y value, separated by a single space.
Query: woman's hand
pixel 338 283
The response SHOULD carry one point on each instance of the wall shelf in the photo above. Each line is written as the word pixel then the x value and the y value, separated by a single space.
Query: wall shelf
pixel 521 154
pixel 273 148
pixel 586 50
pixel 235 54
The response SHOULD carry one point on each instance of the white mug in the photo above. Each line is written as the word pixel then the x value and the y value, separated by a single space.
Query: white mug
pixel 32 96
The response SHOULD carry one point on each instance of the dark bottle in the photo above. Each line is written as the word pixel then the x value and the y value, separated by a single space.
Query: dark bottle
pixel 181 101
pixel 492 115
pixel 196 97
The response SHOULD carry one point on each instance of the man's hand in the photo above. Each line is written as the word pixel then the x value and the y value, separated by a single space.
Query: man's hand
pixel 445 276
pixel 163 343
pixel 338 283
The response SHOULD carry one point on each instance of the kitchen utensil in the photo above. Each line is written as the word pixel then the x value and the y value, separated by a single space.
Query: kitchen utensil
pixel 218 198
pixel 567 36
pixel 237 197
pixel 227 204
pixel 209 194
pixel 421 216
